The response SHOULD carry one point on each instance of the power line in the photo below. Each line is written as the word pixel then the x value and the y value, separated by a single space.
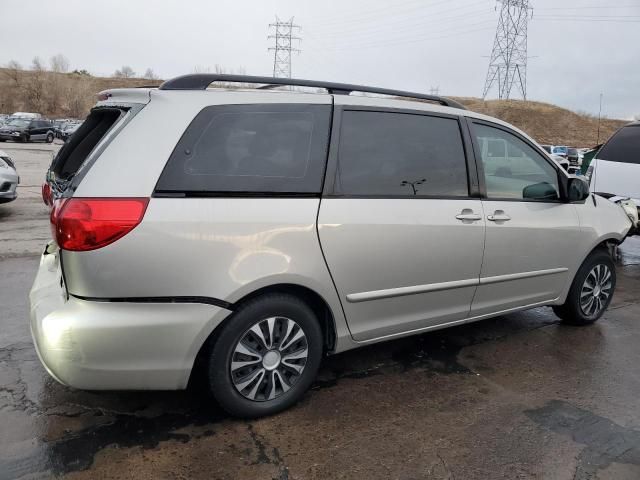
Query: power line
pixel 596 7
pixel 587 20
pixel 462 29
pixel 403 20
pixel 283 38
pixel 508 63
pixel 368 14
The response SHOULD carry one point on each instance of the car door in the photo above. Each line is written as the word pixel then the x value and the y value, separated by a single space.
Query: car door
pixel 530 232
pixel 35 130
pixel 399 225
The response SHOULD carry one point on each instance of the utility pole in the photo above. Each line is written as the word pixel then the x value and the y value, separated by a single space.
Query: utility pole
pixel 508 61
pixel 282 34
pixel 599 117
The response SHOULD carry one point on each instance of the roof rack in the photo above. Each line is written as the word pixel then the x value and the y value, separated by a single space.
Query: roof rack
pixel 200 81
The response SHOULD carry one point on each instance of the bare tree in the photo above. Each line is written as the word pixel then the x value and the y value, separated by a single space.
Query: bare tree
pixel 149 74
pixel 13 71
pixel 34 86
pixel 125 72
pixel 201 69
pixel 37 65
pixel 59 63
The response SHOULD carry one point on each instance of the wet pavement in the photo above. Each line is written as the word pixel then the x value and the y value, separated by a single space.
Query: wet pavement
pixel 519 396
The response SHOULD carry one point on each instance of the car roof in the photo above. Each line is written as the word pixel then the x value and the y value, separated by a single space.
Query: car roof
pixel 221 96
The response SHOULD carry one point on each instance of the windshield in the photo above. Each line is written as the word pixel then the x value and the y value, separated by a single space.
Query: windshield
pixel 559 149
pixel 623 147
pixel 19 122
pixel 572 151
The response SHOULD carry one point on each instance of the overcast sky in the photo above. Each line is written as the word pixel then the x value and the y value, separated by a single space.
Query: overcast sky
pixel 579 48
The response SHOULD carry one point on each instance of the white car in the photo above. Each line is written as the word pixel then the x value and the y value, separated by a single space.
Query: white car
pixel 615 171
pixel 8 179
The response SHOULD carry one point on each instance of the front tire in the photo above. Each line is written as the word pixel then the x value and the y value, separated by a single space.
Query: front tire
pixel 591 291
pixel 50 138
pixel 266 356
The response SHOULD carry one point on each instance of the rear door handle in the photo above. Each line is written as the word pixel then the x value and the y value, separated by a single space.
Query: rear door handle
pixel 468 215
pixel 498 216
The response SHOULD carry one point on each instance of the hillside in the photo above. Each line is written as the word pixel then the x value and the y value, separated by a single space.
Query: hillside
pixel 548 124
pixel 58 95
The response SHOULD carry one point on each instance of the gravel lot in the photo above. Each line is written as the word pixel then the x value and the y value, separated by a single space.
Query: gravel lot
pixel 519 396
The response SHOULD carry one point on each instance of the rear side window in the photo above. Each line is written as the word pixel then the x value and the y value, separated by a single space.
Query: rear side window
pixel 277 148
pixel 397 154
pixel 623 147
pixel 84 140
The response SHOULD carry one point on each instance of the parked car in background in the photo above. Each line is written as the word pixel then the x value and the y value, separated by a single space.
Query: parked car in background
pixel 295 225
pixel 58 127
pixel 559 150
pixel 9 178
pixel 27 130
pixel 68 130
pixel 547 148
pixel 573 156
pixel 563 162
pixel 615 170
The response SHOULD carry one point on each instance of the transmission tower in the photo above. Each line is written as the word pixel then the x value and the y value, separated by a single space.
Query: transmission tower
pixel 508 64
pixel 283 37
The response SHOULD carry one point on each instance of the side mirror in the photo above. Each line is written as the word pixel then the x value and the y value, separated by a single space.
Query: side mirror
pixel 578 189
pixel 540 191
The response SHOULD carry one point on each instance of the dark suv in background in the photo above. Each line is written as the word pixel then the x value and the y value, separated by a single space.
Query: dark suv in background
pixel 27 130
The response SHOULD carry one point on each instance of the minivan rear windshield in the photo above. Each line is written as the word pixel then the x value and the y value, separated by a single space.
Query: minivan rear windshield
pixel 84 140
pixel 623 147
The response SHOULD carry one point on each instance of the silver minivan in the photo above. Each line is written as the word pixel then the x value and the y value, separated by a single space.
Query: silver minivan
pixel 253 231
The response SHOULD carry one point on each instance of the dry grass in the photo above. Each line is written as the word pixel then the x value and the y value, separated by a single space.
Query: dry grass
pixel 56 95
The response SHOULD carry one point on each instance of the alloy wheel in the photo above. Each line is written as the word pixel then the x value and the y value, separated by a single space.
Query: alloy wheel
pixel 596 290
pixel 269 358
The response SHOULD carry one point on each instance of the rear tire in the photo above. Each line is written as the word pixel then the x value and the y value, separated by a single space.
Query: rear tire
pixel 266 356
pixel 591 291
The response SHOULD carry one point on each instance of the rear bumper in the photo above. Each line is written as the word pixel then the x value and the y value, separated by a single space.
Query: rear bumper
pixel 115 345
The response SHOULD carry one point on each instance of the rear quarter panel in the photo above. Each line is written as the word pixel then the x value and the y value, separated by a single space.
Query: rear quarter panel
pixel 223 248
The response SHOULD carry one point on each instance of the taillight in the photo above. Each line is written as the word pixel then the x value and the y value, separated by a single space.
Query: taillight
pixel 82 224
pixel 47 195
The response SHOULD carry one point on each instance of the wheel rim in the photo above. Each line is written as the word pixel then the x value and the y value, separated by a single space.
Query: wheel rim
pixel 596 290
pixel 269 358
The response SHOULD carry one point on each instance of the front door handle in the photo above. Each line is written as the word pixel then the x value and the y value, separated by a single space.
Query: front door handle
pixel 467 215
pixel 498 216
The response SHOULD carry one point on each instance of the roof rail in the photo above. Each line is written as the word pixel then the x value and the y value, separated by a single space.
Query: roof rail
pixel 200 81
